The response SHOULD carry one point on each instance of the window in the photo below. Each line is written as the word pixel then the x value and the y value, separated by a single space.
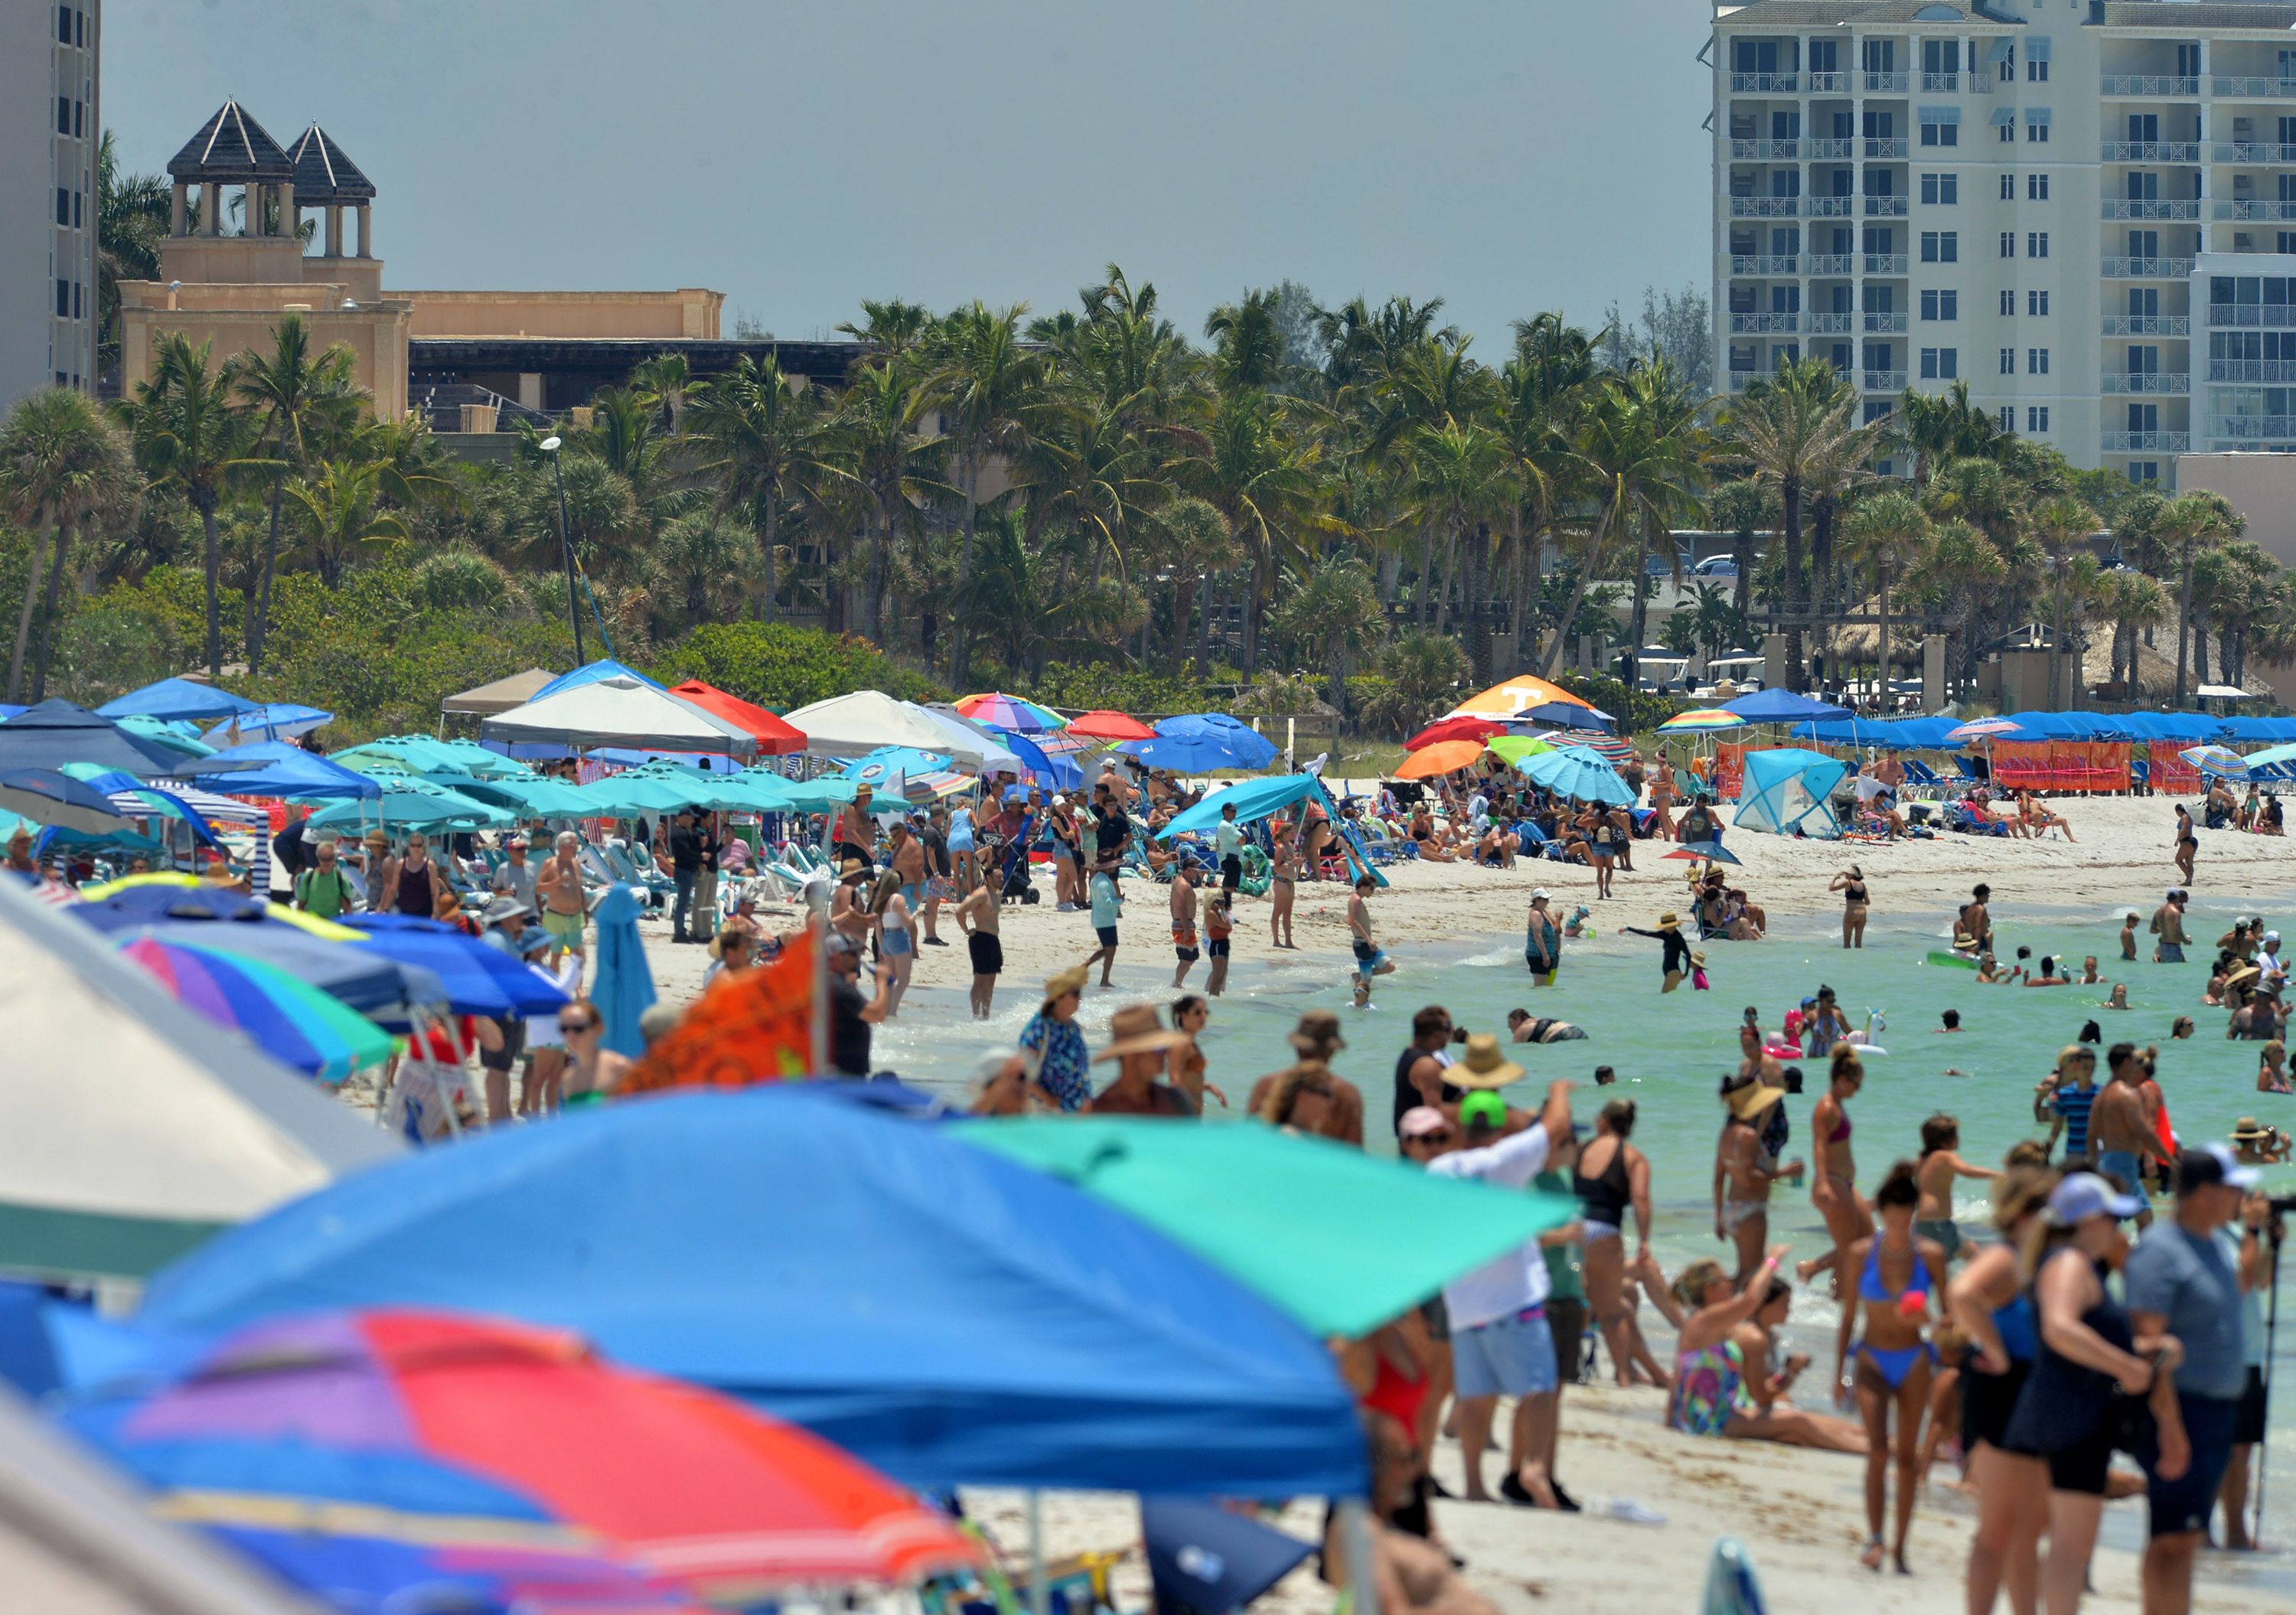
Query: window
pixel 2008 187
pixel 2145 470
pixel 2004 130
pixel 1940 247
pixel 63 206
pixel 2037 187
pixel 2036 124
pixel 2008 304
pixel 2037 244
pixel 63 25
pixel 2037 361
pixel 2007 416
pixel 79 311
pixel 1941 190
pixel 1940 304
pixel 2037 61
pixel 1875 409
pixel 2037 303
pixel 2008 243
pixel 2037 417
pixel 79 209
pixel 63 114
pixel 2008 361
pixel 80 118
pixel 1940 126
pixel 63 300
pixel 1940 363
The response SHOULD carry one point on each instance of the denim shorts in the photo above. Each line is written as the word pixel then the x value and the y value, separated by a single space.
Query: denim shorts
pixel 1512 1357
pixel 2123 1165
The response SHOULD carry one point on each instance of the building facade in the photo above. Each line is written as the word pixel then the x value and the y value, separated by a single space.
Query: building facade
pixel 2085 210
pixel 50 126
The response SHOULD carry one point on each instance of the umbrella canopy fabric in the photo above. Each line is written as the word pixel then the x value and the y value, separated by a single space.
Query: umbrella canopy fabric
pixel 297 1025
pixel 273 720
pixel 176 699
pixel 1043 766
pixel 500 695
pixel 273 767
pixel 1439 758
pixel 2250 731
pixel 1384 1236
pixel 624 988
pixel 1516 694
pixel 1101 724
pixel 1206 1559
pixel 1788 787
pixel 1202 741
pixel 774 736
pixel 58 799
pixel 857 723
pixel 167 735
pixel 887 761
pixel 821 795
pixel 1982 728
pixel 2272 763
pixel 1456 729
pixel 130 1128
pixel 1609 748
pixel 211 917
pixel 2221 760
pixel 1573 771
pixel 410 802
pixel 970 744
pixel 695 1488
pixel 1512 749
pixel 634 791
pixel 1567 715
pixel 619 710
pixel 1709 717
pixel 1010 712
pixel 1782 707
pixel 479 979
pixel 944 1314
pixel 537 798
pixel 593 672
pixel 55 732
pixel 1712 852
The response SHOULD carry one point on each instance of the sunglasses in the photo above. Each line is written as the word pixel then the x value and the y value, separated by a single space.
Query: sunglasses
pixel 572 1027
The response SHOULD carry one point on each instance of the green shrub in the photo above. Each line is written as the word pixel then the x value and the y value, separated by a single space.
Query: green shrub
pixel 776 665
pixel 1636 712
pixel 1084 686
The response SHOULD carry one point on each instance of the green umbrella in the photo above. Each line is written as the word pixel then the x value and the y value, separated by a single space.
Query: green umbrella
pixel 1341 1240
pixel 1512 749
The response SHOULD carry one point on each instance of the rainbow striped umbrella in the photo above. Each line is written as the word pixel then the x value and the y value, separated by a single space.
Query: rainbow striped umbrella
pixel 295 1023
pixel 1712 718
pixel 1010 712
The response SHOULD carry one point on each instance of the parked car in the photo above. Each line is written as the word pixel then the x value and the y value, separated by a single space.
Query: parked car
pixel 1716 566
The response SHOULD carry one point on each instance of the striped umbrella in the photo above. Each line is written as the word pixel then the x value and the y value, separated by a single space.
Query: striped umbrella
pixel 296 1024
pixel 1984 728
pixel 1010 712
pixel 1699 721
pixel 2221 760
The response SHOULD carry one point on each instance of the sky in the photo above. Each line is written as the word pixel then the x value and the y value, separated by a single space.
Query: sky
pixel 1508 156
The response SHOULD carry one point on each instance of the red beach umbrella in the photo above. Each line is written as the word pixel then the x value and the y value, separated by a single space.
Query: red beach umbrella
pixel 1110 727
pixel 1454 729
pixel 774 734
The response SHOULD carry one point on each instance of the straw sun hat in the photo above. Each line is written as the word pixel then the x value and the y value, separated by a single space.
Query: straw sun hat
pixel 1070 980
pixel 1483 1066
pixel 1137 1030
pixel 1751 1099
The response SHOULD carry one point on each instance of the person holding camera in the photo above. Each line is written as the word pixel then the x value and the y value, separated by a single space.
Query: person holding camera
pixel 2252 1240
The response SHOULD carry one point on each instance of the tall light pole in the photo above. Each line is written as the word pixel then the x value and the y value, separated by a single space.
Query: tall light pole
pixel 549 446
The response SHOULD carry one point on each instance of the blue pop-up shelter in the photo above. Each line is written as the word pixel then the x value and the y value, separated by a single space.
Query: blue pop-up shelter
pixel 1788 791
pixel 176 699
pixel 1255 799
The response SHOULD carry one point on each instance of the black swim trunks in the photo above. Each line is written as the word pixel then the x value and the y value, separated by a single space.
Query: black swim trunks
pixel 987 953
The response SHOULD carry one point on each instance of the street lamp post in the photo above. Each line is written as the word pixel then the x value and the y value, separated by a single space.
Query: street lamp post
pixel 566 546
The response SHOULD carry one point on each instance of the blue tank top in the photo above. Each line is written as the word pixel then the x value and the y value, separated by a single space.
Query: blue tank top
pixel 2020 1332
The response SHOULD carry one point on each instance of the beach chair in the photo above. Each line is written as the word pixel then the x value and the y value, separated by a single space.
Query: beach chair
pixel 1922 782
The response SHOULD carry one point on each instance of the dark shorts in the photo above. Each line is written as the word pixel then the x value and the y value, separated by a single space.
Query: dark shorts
pixel 1186 955
pixel 1231 872
pixel 2183 1504
pixel 505 1058
pixel 1987 1401
pixel 1568 1319
pixel 848 849
pixel 987 953
pixel 1216 948
pixel 1107 935
pixel 2248 1428
pixel 2082 1469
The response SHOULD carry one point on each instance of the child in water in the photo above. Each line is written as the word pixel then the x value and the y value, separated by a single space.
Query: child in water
pixel 2128 937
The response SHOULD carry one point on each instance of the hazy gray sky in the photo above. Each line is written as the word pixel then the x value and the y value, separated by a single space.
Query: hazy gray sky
pixel 800 155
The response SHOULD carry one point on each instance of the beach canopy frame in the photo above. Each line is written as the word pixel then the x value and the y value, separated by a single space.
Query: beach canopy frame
pixel 1788 789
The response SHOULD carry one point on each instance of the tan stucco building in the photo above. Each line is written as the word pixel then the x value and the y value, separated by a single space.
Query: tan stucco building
pixel 232 286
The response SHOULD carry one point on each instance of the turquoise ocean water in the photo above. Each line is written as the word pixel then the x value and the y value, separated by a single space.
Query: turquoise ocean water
pixel 1671 1051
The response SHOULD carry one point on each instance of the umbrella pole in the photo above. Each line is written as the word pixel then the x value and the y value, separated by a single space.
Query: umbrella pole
pixel 1355 1533
pixel 1040 1597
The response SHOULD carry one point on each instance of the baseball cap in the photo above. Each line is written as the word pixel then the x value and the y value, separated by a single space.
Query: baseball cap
pixel 1422 1121
pixel 2211 1165
pixel 2086 1194
pixel 1539 894
pixel 1482 1109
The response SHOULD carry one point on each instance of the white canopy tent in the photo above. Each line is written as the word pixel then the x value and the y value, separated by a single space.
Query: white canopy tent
pixel 618 712
pixel 857 724
pixel 130 1128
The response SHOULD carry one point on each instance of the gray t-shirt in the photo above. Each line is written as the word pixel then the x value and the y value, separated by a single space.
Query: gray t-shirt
pixel 2189 1280
pixel 515 880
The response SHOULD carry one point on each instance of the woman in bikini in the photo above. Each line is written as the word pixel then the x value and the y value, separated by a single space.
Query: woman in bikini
pixel 1283 874
pixel 1851 884
pixel 1719 1361
pixel 1745 1159
pixel 2188 845
pixel 1899 1274
pixel 896 942
pixel 1833 1175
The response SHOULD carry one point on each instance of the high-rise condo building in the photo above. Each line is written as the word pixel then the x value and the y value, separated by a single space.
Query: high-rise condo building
pixel 49 131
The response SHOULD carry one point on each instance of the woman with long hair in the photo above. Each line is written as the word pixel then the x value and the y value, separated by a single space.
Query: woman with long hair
pixel 1990 1303
pixel 1724 1382
pixel 1746 1162
pixel 1898 1275
pixel 897 940
pixel 1611 1177
pixel 1834 1169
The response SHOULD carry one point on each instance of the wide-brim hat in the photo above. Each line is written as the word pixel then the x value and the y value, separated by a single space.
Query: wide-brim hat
pixel 507 906
pixel 1751 1099
pixel 1698 958
pixel 1067 981
pixel 1483 1066
pixel 2247 1128
pixel 1137 1030
pixel 2245 974
pixel 1669 921
pixel 850 868
pixel 1318 1029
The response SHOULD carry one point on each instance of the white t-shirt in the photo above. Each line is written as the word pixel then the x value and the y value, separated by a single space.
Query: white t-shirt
pixel 1228 838
pixel 1516 1280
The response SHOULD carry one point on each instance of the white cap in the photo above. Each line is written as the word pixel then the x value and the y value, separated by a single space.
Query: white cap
pixel 1539 894
pixel 2086 1194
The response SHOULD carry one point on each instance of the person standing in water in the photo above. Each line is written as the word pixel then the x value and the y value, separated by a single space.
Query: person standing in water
pixel 2168 926
pixel 1542 941
pixel 1674 955
pixel 978 917
pixel 1973 926
pixel 1183 922
pixel 1851 884
pixel 1370 959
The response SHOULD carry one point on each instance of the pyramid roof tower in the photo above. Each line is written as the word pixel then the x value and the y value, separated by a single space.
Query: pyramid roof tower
pixel 231 149
pixel 325 175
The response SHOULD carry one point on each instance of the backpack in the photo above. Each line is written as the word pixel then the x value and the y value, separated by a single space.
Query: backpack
pixel 303 888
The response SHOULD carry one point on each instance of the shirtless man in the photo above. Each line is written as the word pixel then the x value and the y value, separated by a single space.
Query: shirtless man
pixel 1662 796
pixel 1973 926
pixel 1184 949
pixel 908 861
pixel 1370 961
pixel 2120 1133
pixel 558 890
pixel 2168 926
pixel 977 917
pixel 1891 772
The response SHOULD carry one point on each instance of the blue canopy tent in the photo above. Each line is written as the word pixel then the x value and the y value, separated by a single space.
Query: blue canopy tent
pixel 1786 789
pixel 56 733
pixel 2259 731
pixel 2187 728
pixel 277 768
pixel 590 673
pixel 950 1316
pixel 273 720
pixel 1255 799
pixel 1782 707
pixel 176 699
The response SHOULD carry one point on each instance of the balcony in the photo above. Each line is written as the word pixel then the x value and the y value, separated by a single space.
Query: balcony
pixel 2247 428
pixel 1885 207
pixel 2256 209
pixel 2158 382
pixel 1832 263
pixel 1830 84
pixel 1765 84
pixel 1885 84
pixel 2147 268
pixel 1764 151
pixel 2267 316
pixel 1765 265
pixel 1934 84
pixel 2250 150
pixel 1830 321
pixel 2252 370
pixel 1832 146
pixel 1758 325
pixel 2255 89
pixel 2148 325
pixel 2150 207
pixel 1885 263
pixel 2156 151
pixel 1766 207
pixel 2150 84
pixel 2143 442
pixel 1832 207
pixel 1885 322
pixel 1885 380
pixel 1892 145
pixel 1741 379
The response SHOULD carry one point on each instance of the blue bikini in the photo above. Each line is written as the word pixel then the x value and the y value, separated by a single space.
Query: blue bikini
pixel 1893 1364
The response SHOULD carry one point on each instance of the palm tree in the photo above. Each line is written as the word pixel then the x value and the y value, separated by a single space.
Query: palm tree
pixel 1247 349
pixel 2190 523
pixel 1956 570
pixel 337 512
pixel 1335 611
pixel 709 559
pixel 192 437
pixel 1189 539
pixel 2062 527
pixel 1886 532
pixel 987 387
pixel 304 405
pixel 1457 475
pixel 896 465
pixel 1259 475
pixel 2134 602
pixel 760 432
pixel 1025 612
pixel 131 220
pixel 1936 428
pixel 60 462
pixel 664 382
pixel 1788 428
pixel 1739 507
pixel 1542 388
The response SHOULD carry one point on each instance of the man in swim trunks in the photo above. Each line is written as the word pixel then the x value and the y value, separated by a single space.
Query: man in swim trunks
pixel 1183 922
pixel 1972 928
pixel 1528 1027
pixel 2168 926
pixel 558 888
pixel 978 917
pixel 1370 960
pixel 2122 1133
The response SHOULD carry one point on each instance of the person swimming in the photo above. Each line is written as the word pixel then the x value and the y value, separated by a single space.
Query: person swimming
pixel 1528 1027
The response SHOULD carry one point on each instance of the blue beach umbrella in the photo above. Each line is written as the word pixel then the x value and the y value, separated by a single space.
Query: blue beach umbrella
pixel 270 768
pixel 478 979
pixel 176 699
pixel 408 802
pixel 58 799
pixel 886 761
pixel 1566 715
pixel 1573 771
pixel 623 989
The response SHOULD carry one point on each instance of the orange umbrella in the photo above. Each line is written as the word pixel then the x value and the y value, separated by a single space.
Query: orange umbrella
pixel 1440 758
pixel 1102 724
pixel 1517 695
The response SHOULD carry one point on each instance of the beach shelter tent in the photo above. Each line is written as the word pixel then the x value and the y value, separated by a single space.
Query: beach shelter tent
pixel 970 745
pixel 857 723
pixel 1517 695
pixel 2255 731
pixel 1782 707
pixel 1789 788
pixel 273 720
pixel 948 1315
pixel 590 673
pixel 499 696
pixel 277 768
pixel 774 734
pixel 56 733
pixel 132 1128
pixel 619 712
pixel 177 699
